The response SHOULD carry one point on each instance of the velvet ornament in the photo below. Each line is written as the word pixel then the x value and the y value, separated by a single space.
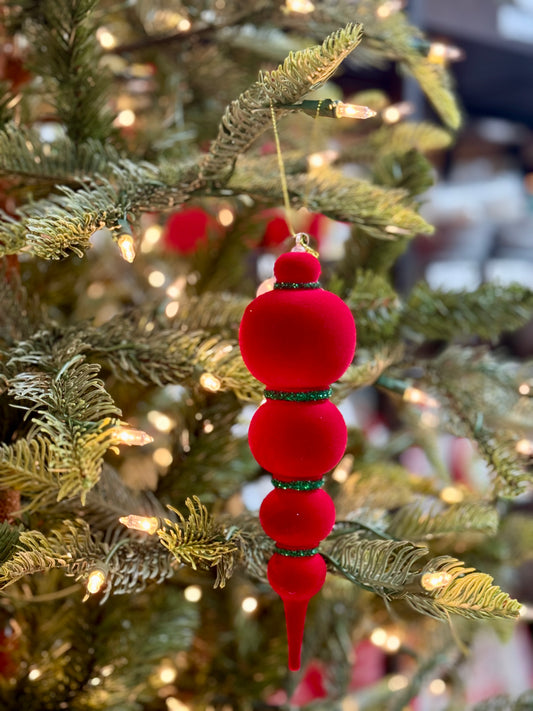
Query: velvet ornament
pixel 297 440
pixel 297 519
pixel 296 580
pixel 297 339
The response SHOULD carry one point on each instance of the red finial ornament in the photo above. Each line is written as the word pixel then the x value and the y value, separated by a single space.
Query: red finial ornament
pixel 297 340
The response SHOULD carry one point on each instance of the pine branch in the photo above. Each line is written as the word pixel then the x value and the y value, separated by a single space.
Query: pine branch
pixel 435 82
pixel 416 522
pixel 21 314
pixel 249 116
pixel 370 365
pixel 381 566
pixel 155 350
pixel 381 213
pixel 68 547
pixel 66 54
pixel 376 307
pixel 9 537
pixel 69 407
pixel 26 466
pixel 469 594
pixel 64 223
pixel 487 312
pixel 406 170
pixel 130 565
pixel 504 703
pixel 24 155
pixel 486 395
pixel 197 541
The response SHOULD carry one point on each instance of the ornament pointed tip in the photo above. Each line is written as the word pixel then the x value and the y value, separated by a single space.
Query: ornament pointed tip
pixel 295 612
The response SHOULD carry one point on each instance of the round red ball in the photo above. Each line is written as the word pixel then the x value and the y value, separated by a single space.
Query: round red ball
pixel 297 340
pixel 297 440
pixel 297 519
pixel 296 578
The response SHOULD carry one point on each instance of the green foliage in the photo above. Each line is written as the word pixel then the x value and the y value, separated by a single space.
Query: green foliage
pixel 25 157
pixel 469 594
pixel 417 522
pixel 64 223
pixel 9 536
pixel 479 410
pixel 376 307
pixel 69 547
pixel 434 80
pixel 504 703
pixel 66 55
pixel 391 568
pixel 68 406
pixel 249 116
pixel 197 541
pixel 381 566
pixel 409 171
pixel 487 312
pixel 152 349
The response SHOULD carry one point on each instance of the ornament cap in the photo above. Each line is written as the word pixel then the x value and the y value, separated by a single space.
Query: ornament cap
pixel 297 267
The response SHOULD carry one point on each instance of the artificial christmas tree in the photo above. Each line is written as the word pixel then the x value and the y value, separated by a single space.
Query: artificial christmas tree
pixel 134 574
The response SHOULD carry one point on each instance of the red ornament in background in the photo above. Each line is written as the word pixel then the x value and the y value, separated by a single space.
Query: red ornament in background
pixel 297 339
pixel 188 230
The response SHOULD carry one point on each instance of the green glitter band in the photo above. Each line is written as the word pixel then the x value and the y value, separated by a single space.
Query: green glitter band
pixel 297 285
pixel 299 484
pixel 302 396
pixel 302 553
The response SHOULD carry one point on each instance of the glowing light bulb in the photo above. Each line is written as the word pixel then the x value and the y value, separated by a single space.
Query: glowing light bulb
pixel 437 687
pixel 249 604
pixel 125 118
pixel 419 397
pixel 395 112
pixel 301 6
pixel 127 247
pixel 524 446
pixel 132 436
pixel 172 308
pixel 177 286
pixel 389 8
pixel 105 38
pixel 156 278
pixel 210 382
pixel 146 524
pixel 397 682
pixel 162 457
pixel 435 580
pixel 193 593
pixel 174 704
pixel 392 643
pixel 378 637
pixel 34 674
pixel 353 111
pixel 96 580
pixel 225 217
pixel 524 389
pixel 167 673
pixel 265 286
pixel 322 158
pixel 440 53
pixel 151 237
pixel 343 469
pixel 160 421
pixel 451 495
pixel 184 25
